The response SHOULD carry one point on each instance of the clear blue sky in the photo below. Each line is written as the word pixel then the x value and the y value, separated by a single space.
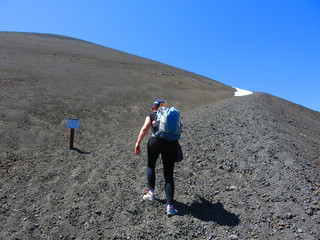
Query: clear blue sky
pixel 270 46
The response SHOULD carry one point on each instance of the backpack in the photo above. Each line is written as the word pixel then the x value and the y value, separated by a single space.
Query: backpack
pixel 168 124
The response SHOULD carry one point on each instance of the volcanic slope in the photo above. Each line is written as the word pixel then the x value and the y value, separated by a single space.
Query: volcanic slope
pixel 45 79
pixel 251 167
pixel 251 171
pixel 77 75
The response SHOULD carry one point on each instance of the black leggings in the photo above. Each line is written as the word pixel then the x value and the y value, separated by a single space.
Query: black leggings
pixel 168 150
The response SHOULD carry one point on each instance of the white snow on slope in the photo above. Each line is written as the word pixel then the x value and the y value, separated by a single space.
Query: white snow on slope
pixel 241 92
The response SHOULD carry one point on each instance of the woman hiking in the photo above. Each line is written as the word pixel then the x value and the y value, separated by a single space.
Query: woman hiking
pixel 168 151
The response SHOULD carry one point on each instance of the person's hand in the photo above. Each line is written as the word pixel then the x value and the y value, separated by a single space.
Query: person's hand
pixel 137 149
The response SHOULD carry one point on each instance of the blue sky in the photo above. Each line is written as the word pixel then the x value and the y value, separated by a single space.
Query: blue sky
pixel 270 46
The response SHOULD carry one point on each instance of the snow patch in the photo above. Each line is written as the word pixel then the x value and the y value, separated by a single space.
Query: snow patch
pixel 241 92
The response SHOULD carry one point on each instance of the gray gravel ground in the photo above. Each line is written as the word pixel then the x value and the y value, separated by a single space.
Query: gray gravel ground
pixel 251 167
pixel 251 171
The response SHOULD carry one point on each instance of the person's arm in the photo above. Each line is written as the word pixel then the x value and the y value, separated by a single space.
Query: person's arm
pixel 145 128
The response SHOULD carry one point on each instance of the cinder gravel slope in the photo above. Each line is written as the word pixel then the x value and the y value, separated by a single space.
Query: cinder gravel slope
pixel 258 156
pixel 45 79
pixel 251 167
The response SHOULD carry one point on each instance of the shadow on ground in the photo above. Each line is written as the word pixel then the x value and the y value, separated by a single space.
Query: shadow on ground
pixel 207 211
pixel 80 151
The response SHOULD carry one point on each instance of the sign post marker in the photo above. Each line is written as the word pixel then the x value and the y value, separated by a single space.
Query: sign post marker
pixel 72 124
pixel 71 138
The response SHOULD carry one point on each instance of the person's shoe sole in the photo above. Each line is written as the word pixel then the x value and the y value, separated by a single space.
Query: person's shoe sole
pixel 148 197
pixel 172 213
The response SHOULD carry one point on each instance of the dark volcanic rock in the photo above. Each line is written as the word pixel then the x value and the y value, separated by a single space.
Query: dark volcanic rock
pixel 248 173
pixel 257 155
pixel 251 167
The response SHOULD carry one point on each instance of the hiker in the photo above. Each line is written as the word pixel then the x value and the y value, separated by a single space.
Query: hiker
pixel 157 146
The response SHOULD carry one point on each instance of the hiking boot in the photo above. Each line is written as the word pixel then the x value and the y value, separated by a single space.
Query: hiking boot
pixel 149 196
pixel 171 211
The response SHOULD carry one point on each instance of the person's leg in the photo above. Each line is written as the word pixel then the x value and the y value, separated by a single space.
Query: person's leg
pixel 169 155
pixel 153 154
pixel 168 168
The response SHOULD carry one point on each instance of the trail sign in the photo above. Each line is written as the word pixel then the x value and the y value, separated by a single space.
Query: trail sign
pixel 72 124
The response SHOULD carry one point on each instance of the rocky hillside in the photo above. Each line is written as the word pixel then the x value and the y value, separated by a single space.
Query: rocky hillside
pixel 251 167
pixel 46 79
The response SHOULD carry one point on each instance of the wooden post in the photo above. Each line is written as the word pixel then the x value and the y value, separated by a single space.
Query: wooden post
pixel 71 138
